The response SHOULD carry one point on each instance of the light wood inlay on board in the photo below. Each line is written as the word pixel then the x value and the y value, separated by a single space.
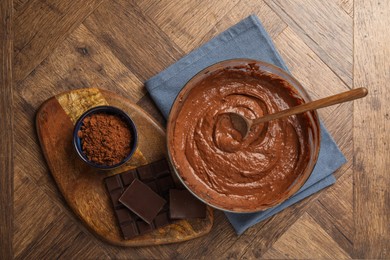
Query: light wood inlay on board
pixel 77 102
pixel 83 186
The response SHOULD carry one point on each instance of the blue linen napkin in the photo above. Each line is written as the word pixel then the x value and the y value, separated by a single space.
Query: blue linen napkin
pixel 247 39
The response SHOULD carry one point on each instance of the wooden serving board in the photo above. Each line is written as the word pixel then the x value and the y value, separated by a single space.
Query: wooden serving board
pixel 83 187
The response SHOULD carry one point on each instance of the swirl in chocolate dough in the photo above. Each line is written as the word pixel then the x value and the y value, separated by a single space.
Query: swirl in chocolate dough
pixel 215 161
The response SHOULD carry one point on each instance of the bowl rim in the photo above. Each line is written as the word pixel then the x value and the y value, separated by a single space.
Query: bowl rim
pixel 110 110
pixel 268 68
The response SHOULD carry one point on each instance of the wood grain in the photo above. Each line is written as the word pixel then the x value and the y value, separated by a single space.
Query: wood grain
pixel 346 5
pixel 319 26
pixel 133 38
pixel 6 131
pixel 28 159
pixel 339 122
pixel 334 211
pixel 306 239
pixel 31 227
pixel 271 21
pixel 372 152
pixel 83 187
pixel 182 25
pixel 80 61
pixel 40 26
pixel 329 46
pixel 19 4
pixel 308 68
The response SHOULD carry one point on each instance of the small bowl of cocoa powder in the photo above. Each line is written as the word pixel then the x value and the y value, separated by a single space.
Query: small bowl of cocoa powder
pixel 105 137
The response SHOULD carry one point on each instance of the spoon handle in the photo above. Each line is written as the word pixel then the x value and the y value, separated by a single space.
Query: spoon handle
pixel 320 103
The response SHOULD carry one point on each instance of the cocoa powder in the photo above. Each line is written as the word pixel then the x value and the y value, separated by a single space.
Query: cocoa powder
pixel 105 138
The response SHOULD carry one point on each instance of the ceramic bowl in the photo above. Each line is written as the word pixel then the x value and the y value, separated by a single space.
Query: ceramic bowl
pixel 77 142
pixel 194 184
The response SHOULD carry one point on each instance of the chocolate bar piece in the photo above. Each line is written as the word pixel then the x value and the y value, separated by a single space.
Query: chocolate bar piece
pixel 184 205
pixel 137 195
pixel 156 176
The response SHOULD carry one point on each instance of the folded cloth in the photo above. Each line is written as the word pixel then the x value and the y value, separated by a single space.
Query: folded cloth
pixel 247 39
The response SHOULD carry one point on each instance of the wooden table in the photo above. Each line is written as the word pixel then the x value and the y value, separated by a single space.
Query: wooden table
pixel 330 46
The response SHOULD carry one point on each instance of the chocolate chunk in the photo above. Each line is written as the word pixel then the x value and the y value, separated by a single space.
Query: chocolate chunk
pixel 142 200
pixel 146 173
pixel 128 177
pixel 115 195
pixel 162 219
pixel 165 183
pixel 130 230
pixel 124 215
pixel 115 188
pixel 114 183
pixel 130 224
pixel 154 170
pixel 144 227
pixel 153 186
pixel 184 205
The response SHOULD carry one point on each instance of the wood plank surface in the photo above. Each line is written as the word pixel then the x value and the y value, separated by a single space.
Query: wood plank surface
pixel 329 46
pixel 347 6
pixel 6 130
pixel 305 239
pixel 269 18
pixel 31 228
pixel 318 79
pixel 181 26
pixel 81 61
pixel 372 152
pixel 133 38
pixel 40 26
pixel 334 211
pixel 320 26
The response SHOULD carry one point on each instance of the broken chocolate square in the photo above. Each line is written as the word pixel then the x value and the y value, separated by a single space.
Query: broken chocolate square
pixel 130 224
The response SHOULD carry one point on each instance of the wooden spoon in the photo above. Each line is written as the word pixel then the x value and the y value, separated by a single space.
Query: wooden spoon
pixel 243 124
